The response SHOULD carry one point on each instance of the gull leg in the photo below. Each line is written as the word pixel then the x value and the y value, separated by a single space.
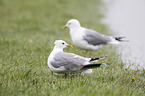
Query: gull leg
pixel 85 52
pixel 52 73
pixel 65 75
pixel 69 74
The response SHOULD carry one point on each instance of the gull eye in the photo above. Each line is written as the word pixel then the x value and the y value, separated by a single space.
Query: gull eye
pixel 69 23
pixel 63 43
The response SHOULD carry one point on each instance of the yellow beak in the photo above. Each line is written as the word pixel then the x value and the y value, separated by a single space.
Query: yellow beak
pixel 64 27
pixel 69 46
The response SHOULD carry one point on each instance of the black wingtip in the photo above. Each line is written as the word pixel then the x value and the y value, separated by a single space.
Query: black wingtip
pixel 97 58
pixel 121 39
pixel 91 66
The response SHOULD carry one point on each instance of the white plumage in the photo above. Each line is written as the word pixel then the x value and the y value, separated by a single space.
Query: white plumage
pixel 88 39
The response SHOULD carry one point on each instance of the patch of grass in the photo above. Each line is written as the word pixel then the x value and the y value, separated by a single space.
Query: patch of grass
pixel 28 29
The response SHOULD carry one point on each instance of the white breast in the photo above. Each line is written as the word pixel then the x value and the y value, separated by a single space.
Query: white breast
pixel 77 37
pixel 50 58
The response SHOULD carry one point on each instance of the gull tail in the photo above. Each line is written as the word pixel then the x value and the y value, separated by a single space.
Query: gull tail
pixel 91 66
pixel 97 58
pixel 120 39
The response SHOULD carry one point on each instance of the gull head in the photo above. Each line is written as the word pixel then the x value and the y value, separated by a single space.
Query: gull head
pixel 72 23
pixel 61 44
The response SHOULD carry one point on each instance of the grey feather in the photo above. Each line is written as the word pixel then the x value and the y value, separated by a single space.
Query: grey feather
pixel 67 60
pixel 95 38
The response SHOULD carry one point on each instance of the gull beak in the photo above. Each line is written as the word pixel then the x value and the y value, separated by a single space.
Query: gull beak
pixel 64 27
pixel 69 46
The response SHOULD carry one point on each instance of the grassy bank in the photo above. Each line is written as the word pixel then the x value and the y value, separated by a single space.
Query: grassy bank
pixel 28 29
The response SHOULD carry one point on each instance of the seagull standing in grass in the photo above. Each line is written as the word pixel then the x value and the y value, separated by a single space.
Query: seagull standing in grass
pixel 65 63
pixel 88 39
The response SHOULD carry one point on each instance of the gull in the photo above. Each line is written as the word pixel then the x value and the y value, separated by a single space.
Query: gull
pixel 69 63
pixel 88 39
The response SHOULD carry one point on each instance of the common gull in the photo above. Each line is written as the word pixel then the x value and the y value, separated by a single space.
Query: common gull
pixel 88 39
pixel 65 63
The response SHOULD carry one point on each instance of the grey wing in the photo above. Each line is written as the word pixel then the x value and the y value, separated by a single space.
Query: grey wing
pixel 95 38
pixel 67 60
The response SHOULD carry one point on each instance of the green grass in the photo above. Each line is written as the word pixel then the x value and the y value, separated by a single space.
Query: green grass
pixel 23 65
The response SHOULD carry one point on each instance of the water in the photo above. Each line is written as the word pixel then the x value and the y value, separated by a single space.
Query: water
pixel 127 17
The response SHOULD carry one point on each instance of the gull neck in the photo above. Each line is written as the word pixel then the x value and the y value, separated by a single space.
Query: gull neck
pixel 56 48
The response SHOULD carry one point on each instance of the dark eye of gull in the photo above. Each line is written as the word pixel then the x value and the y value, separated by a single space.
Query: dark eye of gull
pixel 62 43
pixel 69 23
